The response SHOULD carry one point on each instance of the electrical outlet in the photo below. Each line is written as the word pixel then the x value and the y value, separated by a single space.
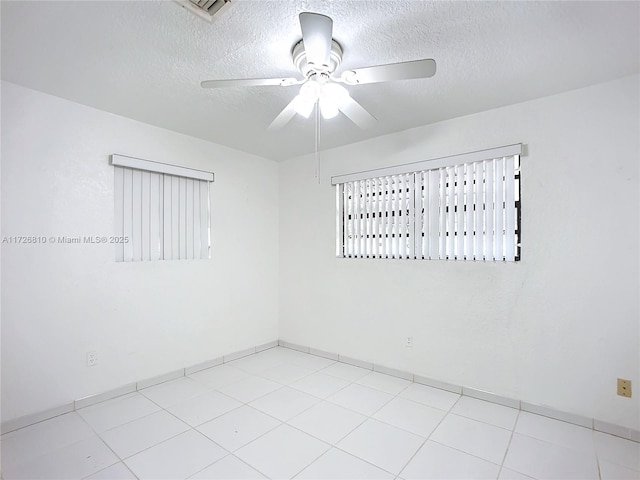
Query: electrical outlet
pixel 92 359
pixel 624 387
pixel 408 342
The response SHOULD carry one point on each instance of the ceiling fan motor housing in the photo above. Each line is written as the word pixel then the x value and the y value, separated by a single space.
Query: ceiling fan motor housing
pixel 307 69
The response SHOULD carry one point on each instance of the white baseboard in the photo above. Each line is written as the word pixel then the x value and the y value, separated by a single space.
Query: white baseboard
pixel 430 382
pixel 355 362
pixel 104 396
pixel 20 422
pixel 323 354
pixel 26 420
pixel 595 424
pixel 491 397
pixel 203 366
pixel 293 346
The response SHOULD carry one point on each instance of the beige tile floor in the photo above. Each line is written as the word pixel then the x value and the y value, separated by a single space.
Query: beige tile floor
pixel 285 414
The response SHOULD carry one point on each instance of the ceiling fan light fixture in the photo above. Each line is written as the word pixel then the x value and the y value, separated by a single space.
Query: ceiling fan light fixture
pixel 330 96
pixel 328 108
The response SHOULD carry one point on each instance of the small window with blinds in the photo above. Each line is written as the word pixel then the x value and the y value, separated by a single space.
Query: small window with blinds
pixel 161 211
pixel 464 207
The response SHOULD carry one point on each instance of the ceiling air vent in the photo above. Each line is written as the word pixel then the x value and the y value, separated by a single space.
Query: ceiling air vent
pixel 205 8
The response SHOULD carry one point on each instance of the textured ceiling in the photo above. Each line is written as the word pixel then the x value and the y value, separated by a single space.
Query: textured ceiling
pixel 145 60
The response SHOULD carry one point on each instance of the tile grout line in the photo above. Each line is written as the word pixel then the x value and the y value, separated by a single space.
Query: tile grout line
pixel 363 459
pixel 312 461
pixel 366 417
pixel 416 452
pixel 191 428
pixel 598 466
pixel 249 465
pixel 428 436
pixel 370 417
pixel 104 443
pixel 130 421
pixel 506 452
pixel 122 459
pixel 450 412
pixel 106 468
pixel 229 454
pixel 466 453
pixel 29 460
pixel 280 422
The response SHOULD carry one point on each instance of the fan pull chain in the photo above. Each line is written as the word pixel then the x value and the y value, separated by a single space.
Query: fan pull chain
pixel 317 146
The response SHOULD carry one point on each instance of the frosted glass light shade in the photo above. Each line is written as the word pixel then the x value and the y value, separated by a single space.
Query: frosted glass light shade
pixel 303 105
pixel 328 108
pixel 335 92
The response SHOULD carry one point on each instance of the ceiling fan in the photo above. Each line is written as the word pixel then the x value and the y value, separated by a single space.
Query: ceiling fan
pixel 317 56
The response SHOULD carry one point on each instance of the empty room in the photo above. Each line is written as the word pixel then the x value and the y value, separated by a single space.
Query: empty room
pixel 339 239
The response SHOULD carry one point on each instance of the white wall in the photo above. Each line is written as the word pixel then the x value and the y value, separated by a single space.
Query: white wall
pixel 555 329
pixel 143 319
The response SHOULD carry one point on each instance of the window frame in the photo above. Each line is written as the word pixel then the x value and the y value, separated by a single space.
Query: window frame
pixel 469 180
pixel 161 211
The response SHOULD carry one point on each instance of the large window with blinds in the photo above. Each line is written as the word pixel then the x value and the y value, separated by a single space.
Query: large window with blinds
pixel 464 207
pixel 161 211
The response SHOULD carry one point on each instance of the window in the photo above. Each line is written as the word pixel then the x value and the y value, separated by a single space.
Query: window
pixel 161 211
pixel 465 207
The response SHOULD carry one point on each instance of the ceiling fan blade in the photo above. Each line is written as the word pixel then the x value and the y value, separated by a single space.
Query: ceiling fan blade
pixel 283 117
pixel 357 114
pixel 250 82
pixel 394 71
pixel 316 35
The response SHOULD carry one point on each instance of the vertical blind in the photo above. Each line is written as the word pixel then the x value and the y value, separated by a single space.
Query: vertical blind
pixel 466 211
pixel 161 216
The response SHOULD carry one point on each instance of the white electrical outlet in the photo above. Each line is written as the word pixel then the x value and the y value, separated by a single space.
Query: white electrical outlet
pixel 92 359
pixel 408 342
